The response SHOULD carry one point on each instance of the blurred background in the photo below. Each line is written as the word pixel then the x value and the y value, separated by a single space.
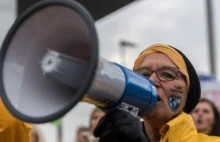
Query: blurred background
pixel 125 28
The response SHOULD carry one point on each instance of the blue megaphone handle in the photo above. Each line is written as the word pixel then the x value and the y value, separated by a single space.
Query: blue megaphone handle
pixel 139 96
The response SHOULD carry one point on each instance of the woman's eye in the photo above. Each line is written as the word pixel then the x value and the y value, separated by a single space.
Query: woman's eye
pixel 168 75
pixel 146 75
pixel 195 111
pixel 206 111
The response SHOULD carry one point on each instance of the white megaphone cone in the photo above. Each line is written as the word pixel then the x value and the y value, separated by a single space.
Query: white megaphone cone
pixel 49 63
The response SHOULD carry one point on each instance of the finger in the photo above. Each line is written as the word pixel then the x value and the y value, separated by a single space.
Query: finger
pixel 108 136
pixel 106 122
pixel 103 125
pixel 127 120
pixel 116 114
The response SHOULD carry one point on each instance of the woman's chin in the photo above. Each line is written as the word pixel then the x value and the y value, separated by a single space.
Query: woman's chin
pixel 200 128
pixel 157 112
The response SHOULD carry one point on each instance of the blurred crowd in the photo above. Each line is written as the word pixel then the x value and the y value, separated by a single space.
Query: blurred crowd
pixel 205 115
pixel 85 134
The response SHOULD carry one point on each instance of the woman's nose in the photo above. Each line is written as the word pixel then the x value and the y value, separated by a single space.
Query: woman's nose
pixel 154 79
pixel 200 113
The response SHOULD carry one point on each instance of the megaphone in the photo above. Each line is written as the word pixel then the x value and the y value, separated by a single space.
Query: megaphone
pixel 49 63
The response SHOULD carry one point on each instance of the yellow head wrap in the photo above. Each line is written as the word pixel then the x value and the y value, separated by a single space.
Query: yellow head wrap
pixel 171 53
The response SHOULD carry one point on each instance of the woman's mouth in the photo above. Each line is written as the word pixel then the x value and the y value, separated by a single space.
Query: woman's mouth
pixel 158 98
pixel 199 121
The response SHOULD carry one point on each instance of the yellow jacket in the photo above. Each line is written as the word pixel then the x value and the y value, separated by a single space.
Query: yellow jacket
pixel 12 129
pixel 182 129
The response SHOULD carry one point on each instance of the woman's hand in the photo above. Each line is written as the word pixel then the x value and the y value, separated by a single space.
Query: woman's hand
pixel 120 126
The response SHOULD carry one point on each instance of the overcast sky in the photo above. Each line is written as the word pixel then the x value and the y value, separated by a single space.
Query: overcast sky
pixel 179 23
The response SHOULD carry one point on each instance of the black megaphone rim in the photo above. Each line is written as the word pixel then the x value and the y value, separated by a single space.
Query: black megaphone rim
pixel 85 15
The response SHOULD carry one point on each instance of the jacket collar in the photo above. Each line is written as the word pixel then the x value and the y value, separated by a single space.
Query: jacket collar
pixel 180 127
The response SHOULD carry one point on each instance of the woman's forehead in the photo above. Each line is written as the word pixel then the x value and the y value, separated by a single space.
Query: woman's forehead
pixel 156 60
pixel 204 105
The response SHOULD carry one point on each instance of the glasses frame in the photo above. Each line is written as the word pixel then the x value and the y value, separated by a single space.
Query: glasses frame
pixel 177 70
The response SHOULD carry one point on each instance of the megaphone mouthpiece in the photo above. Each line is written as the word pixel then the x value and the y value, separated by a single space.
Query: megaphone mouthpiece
pixel 65 69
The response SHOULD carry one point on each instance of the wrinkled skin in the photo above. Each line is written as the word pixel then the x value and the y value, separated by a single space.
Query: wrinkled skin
pixel 163 112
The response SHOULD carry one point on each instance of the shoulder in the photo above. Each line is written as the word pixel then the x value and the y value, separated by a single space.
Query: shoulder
pixel 8 121
pixel 203 137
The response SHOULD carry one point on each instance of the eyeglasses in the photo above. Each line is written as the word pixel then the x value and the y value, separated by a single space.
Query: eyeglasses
pixel 164 73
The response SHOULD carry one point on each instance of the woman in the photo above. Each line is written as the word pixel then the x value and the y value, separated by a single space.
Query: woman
pixel 178 89
pixel 206 117
pixel 82 134
pixel 85 134
pixel 36 135
pixel 95 116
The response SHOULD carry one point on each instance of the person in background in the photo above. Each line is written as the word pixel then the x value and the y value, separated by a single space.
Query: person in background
pixel 95 116
pixel 178 92
pixel 85 134
pixel 82 134
pixel 12 129
pixel 36 134
pixel 206 117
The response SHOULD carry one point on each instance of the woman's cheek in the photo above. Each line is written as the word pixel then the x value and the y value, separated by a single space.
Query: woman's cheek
pixel 175 97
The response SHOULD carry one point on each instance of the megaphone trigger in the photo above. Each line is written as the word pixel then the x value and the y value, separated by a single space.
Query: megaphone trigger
pixel 129 108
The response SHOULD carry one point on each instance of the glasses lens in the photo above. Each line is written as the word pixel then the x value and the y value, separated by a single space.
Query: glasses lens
pixel 145 72
pixel 167 74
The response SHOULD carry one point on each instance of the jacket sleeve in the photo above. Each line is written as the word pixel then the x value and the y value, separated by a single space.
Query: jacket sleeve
pixel 12 129
pixel 206 138
pixel 217 139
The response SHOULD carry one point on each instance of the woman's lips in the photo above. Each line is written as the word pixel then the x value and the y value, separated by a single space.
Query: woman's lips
pixel 158 98
pixel 199 121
